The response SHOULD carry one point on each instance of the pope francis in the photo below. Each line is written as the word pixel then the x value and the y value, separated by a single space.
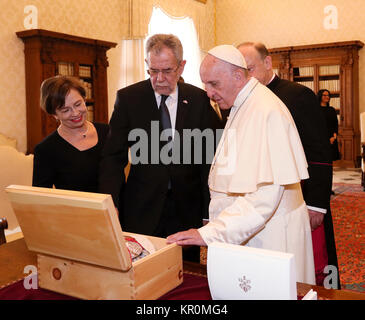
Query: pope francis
pixel 254 181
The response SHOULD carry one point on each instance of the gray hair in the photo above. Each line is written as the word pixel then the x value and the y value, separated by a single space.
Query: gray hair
pixel 158 41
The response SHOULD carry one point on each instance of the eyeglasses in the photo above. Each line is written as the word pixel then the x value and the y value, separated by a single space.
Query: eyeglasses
pixel 165 72
pixel 79 104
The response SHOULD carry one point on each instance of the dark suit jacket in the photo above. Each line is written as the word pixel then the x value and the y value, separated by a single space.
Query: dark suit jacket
pixel 305 110
pixel 141 199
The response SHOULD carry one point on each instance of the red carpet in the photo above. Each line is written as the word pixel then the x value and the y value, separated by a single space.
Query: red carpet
pixel 348 212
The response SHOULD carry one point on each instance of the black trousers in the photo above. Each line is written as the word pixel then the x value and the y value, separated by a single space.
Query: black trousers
pixel 330 239
pixel 330 243
pixel 170 223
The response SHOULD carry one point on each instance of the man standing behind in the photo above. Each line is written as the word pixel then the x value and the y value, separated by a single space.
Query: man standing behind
pixel 160 197
pixel 256 198
pixel 303 106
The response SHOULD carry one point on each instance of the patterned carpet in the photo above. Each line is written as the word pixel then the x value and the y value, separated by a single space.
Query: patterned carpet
pixel 348 212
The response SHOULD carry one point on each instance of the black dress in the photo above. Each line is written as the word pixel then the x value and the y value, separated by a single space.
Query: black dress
pixel 58 163
pixel 332 127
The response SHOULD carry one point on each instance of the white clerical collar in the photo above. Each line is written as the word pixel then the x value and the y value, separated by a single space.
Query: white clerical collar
pixel 245 91
pixel 272 78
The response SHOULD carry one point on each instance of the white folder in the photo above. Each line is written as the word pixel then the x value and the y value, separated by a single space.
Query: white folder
pixel 243 273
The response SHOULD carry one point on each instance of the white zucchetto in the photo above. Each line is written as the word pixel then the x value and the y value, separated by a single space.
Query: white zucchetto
pixel 230 54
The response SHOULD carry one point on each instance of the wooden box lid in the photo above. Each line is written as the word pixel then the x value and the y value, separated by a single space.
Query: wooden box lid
pixel 80 226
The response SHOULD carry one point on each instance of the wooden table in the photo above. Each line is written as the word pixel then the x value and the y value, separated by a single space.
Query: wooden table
pixel 14 257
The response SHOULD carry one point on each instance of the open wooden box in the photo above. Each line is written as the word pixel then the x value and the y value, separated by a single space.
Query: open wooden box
pixel 81 249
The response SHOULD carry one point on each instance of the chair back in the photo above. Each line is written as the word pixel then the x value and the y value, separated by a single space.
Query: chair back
pixel 15 168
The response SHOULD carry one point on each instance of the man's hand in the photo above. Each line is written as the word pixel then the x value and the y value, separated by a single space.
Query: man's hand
pixel 189 237
pixel 316 218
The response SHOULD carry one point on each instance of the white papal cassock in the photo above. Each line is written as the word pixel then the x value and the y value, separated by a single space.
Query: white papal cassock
pixel 256 198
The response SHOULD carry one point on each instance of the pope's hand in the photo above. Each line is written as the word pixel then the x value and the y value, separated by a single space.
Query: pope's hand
pixel 189 237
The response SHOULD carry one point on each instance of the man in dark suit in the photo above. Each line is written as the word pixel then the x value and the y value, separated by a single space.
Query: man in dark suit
pixel 304 108
pixel 166 190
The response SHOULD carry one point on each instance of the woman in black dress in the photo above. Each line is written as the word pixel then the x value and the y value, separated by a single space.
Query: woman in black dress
pixel 330 115
pixel 69 157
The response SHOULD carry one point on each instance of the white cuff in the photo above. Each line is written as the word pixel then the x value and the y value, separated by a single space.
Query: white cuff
pixel 324 211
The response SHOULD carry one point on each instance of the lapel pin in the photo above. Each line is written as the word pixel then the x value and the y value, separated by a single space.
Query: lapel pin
pixel 185 101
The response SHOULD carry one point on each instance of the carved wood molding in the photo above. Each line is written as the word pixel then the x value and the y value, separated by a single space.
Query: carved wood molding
pixel 331 45
pixel 46 34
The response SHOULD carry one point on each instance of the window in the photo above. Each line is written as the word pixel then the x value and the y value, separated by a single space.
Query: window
pixel 184 29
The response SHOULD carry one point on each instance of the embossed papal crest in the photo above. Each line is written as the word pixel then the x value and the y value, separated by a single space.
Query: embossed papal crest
pixel 244 283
